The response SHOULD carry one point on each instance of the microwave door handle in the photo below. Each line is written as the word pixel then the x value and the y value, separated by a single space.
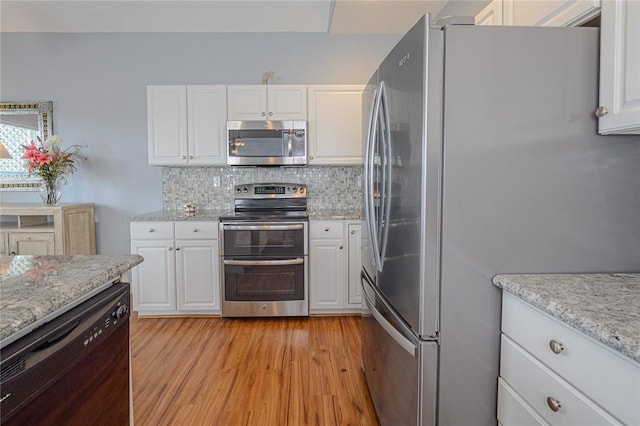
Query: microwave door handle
pixel 290 143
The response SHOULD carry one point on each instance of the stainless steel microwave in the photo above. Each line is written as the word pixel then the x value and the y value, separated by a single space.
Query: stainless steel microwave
pixel 267 143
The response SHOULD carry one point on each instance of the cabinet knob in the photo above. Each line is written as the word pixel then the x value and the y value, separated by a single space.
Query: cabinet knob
pixel 270 114
pixel 170 248
pixel 152 230
pixel 13 253
pixel 353 231
pixel 601 111
pixel 191 157
pixel 311 157
pixel 326 229
pixel 264 113
pixel 556 347
pixel 341 247
pixel 177 248
pixel 553 404
pixel 195 229
pixel 184 157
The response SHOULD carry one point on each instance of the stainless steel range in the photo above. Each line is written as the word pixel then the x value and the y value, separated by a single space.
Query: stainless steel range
pixel 264 250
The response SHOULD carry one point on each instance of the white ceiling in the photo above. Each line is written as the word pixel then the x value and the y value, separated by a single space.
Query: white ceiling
pixel 323 16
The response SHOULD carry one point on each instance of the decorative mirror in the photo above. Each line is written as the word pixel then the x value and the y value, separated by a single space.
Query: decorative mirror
pixel 21 123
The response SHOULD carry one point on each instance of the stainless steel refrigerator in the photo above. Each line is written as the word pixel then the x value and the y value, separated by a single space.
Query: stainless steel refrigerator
pixel 482 157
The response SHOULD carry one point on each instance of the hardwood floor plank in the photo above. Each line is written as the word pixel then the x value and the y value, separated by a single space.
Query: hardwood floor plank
pixel 266 372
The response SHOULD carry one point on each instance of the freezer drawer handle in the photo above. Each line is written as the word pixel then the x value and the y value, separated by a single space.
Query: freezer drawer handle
pixel 391 331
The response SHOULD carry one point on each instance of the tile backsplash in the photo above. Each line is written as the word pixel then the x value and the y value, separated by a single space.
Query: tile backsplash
pixel 329 187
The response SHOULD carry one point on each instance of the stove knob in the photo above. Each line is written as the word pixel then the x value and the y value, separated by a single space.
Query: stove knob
pixel 245 190
pixel 121 312
pixel 301 189
pixel 295 189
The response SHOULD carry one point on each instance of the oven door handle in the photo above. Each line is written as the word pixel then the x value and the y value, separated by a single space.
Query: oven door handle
pixel 262 227
pixel 297 261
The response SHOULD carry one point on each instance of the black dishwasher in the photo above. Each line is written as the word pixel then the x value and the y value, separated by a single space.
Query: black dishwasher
pixel 73 370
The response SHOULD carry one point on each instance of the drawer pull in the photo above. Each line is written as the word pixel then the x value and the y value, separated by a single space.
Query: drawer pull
pixel 326 229
pixel 152 230
pixel 195 229
pixel 556 347
pixel 553 404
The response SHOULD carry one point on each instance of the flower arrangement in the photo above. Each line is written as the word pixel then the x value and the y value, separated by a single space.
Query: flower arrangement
pixel 51 163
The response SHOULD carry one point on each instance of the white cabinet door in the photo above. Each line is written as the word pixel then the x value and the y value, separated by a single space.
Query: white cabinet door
pixel 167 124
pixel 287 102
pixel 186 124
pixel 355 263
pixel 263 102
pixel 335 124
pixel 154 284
pixel 197 272
pixel 619 110
pixel 326 274
pixel 553 13
pixel 207 118
pixel 247 102
pixel 491 14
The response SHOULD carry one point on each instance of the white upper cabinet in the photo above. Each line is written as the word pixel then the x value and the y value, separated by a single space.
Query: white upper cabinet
pixel 186 124
pixel 267 102
pixel 207 124
pixel 335 124
pixel 490 15
pixel 553 13
pixel 619 106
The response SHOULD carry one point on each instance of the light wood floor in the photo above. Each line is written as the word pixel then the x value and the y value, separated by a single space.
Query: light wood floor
pixel 267 372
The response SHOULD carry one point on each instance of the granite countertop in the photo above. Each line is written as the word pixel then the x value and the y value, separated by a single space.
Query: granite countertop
pixel 214 215
pixel 335 214
pixel 36 289
pixel 179 215
pixel 603 306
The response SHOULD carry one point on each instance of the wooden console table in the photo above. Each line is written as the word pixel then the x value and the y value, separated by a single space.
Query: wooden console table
pixel 40 229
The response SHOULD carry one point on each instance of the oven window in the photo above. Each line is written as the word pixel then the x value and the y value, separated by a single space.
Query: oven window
pixel 264 242
pixel 263 282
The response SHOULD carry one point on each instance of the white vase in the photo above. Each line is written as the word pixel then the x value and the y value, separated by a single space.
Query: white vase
pixel 50 191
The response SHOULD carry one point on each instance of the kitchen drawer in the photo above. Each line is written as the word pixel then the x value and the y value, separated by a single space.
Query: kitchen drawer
pixel 513 410
pixel 326 229
pixel 605 376
pixel 147 230
pixel 535 383
pixel 196 230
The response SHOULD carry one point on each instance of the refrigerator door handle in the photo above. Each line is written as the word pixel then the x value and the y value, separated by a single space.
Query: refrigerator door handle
pixel 386 164
pixel 369 197
pixel 401 340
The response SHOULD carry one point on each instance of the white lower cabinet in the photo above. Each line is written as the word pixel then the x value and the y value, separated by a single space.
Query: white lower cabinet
pixel 553 374
pixel 180 273
pixel 334 256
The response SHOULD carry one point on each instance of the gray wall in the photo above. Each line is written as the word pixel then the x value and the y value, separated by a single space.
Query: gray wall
pixel 97 83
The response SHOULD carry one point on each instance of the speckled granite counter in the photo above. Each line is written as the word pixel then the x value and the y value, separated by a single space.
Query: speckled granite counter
pixel 36 289
pixel 206 215
pixel 336 214
pixel 178 215
pixel 603 306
